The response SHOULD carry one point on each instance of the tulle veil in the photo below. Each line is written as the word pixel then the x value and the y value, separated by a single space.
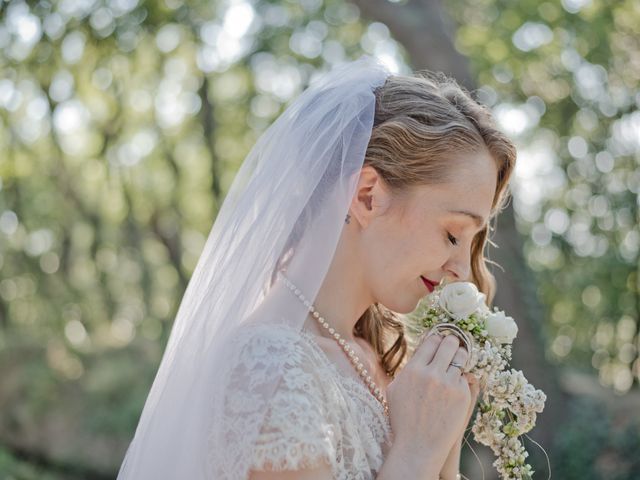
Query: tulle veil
pixel 284 211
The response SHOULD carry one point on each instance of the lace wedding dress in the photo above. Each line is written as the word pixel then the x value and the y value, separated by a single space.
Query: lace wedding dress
pixel 317 414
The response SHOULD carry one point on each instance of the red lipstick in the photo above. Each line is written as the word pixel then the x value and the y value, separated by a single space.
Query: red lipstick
pixel 428 283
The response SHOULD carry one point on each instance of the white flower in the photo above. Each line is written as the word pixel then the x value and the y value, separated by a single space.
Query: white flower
pixel 484 308
pixel 461 299
pixel 501 327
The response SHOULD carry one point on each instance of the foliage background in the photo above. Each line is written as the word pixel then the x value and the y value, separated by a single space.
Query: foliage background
pixel 122 123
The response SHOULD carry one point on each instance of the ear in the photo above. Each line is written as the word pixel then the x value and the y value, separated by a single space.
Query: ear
pixel 371 197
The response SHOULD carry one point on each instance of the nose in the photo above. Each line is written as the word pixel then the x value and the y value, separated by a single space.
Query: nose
pixel 459 265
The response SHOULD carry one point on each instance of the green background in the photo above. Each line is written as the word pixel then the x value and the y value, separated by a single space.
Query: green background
pixel 122 123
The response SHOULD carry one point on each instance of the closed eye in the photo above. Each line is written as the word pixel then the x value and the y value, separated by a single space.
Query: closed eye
pixel 452 239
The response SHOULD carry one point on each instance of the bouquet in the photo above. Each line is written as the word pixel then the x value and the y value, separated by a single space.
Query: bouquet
pixel 508 403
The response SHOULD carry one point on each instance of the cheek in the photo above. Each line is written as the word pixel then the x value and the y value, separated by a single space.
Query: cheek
pixel 388 253
pixel 374 243
pixel 432 251
pixel 403 257
pixel 429 240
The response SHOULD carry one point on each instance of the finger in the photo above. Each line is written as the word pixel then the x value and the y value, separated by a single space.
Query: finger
pixel 460 358
pixel 429 333
pixel 472 379
pixel 427 348
pixel 475 389
pixel 461 355
pixel 474 386
pixel 445 353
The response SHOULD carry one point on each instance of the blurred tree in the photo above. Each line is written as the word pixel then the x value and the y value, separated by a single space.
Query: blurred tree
pixel 122 123
pixel 563 78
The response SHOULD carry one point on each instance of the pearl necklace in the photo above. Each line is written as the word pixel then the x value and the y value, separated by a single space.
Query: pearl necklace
pixel 351 355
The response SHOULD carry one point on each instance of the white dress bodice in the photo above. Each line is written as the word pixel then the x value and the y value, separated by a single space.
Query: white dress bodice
pixel 317 413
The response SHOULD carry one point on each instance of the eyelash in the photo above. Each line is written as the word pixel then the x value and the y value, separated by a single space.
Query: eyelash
pixel 452 239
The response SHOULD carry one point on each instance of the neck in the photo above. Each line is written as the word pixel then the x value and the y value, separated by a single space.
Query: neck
pixel 343 296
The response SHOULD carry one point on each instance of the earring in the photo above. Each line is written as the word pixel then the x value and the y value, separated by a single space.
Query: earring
pixel 347 219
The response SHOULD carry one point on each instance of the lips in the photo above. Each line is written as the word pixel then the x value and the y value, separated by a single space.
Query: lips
pixel 428 283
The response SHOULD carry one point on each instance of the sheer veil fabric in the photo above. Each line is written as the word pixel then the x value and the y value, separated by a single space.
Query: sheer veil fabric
pixel 284 211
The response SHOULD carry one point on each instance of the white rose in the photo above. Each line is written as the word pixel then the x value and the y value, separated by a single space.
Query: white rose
pixel 501 327
pixel 461 299
pixel 484 308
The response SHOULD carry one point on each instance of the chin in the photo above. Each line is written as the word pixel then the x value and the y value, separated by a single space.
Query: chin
pixel 401 305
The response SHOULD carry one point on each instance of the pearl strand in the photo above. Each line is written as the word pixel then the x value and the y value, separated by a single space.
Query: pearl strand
pixel 351 355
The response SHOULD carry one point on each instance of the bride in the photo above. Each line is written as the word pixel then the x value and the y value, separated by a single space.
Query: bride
pixel 288 358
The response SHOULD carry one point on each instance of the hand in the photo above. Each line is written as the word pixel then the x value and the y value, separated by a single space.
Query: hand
pixel 452 463
pixel 426 399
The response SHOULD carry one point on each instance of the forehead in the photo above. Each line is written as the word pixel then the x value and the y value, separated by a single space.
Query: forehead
pixel 467 195
pixel 469 204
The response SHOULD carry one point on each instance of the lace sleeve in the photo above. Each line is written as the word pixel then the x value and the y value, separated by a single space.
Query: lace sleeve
pixel 295 432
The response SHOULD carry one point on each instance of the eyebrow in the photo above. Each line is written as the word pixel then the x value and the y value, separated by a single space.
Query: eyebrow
pixel 477 218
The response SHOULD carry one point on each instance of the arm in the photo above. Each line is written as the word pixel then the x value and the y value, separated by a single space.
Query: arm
pixel 451 465
pixel 403 463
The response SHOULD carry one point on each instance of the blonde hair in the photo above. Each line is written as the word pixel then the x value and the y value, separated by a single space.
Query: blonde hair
pixel 420 121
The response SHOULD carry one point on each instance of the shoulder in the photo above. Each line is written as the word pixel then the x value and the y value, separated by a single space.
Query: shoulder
pixel 272 332
pixel 275 402
pixel 273 339
pixel 263 351
pixel 271 368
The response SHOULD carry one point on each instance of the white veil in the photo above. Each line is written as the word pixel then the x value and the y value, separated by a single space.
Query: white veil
pixel 284 211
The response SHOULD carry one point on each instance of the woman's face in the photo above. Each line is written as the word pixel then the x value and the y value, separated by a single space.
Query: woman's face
pixel 425 234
